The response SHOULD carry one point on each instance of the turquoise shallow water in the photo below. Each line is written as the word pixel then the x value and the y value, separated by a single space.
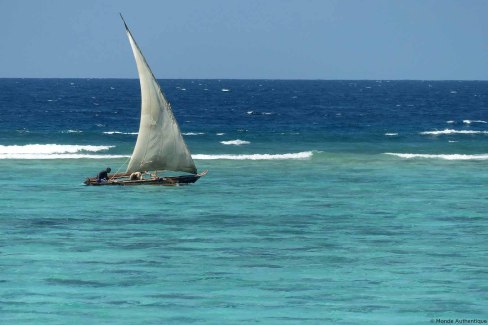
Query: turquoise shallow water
pixel 336 231
pixel 342 239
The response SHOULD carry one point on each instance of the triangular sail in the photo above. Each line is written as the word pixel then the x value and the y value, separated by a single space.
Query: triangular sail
pixel 160 145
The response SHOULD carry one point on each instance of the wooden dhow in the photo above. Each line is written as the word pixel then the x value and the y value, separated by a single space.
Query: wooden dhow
pixel 160 145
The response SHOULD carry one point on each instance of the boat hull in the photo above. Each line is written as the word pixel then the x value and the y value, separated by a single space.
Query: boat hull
pixel 122 180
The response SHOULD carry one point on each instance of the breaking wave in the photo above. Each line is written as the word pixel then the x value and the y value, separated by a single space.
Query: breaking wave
pixel 298 155
pixel 451 131
pixel 473 121
pixel 72 131
pixel 54 151
pixel 235 142
pixel 259 113
pixel 466 122
pixel 118 132
pixel 440 156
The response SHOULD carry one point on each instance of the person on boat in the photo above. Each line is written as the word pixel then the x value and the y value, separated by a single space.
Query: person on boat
pixel 136 176
pixel 103 175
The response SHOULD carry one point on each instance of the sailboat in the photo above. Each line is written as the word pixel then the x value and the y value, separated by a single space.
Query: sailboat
pixel 160 145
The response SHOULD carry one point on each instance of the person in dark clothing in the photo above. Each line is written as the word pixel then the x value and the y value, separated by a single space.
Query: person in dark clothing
pixel 103 175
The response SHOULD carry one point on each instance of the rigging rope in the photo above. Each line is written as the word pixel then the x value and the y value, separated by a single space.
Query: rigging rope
pixel 113 176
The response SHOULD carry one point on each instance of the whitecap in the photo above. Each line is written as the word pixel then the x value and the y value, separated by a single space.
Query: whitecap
pixel 193 133
pixel 219 133
pixel 60 156
pixel 298 155
pixel 391 134
pixel 474 121
pixel 51 151
pixel 51 148
pixel 259 113
pixel 225 89
pixel 72 131
pixel 440 156
pixel 451 131
pixel 118 132
pixel 235 142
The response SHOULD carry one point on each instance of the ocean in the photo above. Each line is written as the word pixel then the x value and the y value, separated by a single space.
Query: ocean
pixel 348 202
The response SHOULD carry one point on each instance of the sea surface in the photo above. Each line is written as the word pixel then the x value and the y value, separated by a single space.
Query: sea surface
pixel 348 202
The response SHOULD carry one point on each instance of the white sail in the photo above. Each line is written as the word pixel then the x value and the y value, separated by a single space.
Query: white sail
pixel 160 145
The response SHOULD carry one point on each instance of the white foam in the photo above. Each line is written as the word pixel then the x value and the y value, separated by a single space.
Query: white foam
pixel 235 142
pixel 72 131
pixel 259 113
pixel 473 121
pixel 220 133
pixel 51 148
pixel 225 89
pixel 298 155
pixel 440 156
pixel 118 132
pixel 52 151
pixel 193 133
pixel 451 131
pixel 450 122
pixel 60 156
pixel 391 134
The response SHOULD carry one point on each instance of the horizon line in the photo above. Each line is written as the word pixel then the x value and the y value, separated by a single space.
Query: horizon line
pixel 273 79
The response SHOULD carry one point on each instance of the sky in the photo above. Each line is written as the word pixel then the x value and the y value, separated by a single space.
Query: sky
pixel 247 39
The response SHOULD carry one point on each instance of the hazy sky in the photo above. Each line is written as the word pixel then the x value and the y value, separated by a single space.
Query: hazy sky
pixel 259 39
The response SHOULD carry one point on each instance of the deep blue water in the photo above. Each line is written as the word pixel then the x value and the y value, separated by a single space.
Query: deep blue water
pixel 326 202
